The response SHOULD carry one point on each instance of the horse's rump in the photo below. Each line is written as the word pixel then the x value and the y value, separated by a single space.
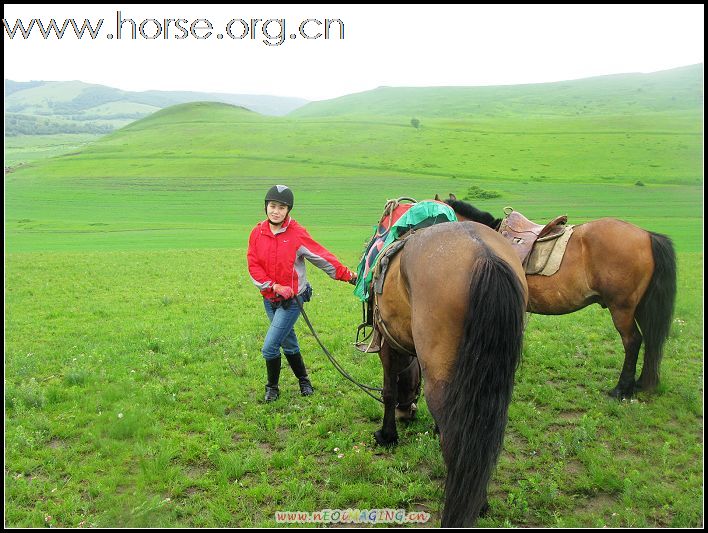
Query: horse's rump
pixel 457 293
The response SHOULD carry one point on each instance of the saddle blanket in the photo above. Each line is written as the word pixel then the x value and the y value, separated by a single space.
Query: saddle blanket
pixel 395 222
pixel 546 255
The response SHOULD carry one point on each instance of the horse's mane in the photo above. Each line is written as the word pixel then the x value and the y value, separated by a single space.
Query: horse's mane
pixel 470 212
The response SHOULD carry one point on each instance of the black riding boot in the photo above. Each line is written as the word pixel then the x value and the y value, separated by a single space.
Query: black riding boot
pixel 298 366
pixel 272 391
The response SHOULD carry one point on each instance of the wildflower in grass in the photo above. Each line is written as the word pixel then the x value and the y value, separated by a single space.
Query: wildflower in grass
pixel 340 455
pixel 120 415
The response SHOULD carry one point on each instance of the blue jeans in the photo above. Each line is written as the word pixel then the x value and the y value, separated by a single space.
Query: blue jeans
pixel 282 329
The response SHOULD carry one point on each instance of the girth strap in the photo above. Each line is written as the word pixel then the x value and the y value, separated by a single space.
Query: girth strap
pixel 384 330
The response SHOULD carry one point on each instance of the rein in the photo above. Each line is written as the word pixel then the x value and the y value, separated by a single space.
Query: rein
pixel 334 362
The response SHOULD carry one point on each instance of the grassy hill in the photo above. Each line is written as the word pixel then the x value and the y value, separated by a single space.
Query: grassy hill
pixel 229 141
pixel 678 89
pixel 194 174
pixel 42 107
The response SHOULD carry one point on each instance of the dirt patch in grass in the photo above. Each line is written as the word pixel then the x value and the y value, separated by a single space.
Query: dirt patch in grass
pixel 596 504
pixel 574 467
pixel 56 444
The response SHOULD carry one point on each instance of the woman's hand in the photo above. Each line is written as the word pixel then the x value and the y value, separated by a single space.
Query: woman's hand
pixel 284 291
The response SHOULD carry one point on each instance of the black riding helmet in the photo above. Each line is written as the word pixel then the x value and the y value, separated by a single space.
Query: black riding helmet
pixel 280 193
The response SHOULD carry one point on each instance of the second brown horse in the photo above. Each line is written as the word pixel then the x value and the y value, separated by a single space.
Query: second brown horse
pixel 628 270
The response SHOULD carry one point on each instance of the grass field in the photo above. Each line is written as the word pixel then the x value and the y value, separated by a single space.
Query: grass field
pixel 133 388
pixel 24 149
pixel 132 369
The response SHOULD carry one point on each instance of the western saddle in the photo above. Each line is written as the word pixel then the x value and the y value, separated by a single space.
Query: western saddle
pixel 523 234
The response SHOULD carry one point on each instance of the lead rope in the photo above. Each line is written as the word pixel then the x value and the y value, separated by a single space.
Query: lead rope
pixel 334 362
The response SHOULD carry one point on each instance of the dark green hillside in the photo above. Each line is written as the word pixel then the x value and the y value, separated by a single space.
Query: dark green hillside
pixel 678 89
pixel 223 140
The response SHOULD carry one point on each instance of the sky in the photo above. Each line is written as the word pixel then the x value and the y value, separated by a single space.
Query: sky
pixel 283 50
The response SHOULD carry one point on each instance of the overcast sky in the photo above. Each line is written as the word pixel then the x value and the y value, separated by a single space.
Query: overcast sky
pixel 428 45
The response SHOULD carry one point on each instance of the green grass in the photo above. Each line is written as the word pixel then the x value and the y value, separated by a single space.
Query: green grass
pixel 23 149
pixel 133 379
pixel 133 388
pixel 194 175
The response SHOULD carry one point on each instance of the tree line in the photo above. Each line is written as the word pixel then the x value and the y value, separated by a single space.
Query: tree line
pixel 16 124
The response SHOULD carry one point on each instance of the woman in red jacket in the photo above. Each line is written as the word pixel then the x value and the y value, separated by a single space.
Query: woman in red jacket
pixel 277 249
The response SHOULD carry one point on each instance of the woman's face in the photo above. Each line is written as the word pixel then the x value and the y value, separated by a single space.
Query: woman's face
pixel 277 212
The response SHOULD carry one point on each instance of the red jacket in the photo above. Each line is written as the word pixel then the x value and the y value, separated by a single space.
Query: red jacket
pixel 280 258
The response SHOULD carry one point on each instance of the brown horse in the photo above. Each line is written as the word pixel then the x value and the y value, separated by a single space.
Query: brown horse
pixel 628 270
pixel 456 298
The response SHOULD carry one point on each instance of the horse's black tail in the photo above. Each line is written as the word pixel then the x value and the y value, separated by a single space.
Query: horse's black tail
pixel 656 309
pixel 475 411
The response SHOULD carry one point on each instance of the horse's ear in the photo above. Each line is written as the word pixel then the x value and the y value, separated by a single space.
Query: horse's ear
pixel 453 197
pixel 437 197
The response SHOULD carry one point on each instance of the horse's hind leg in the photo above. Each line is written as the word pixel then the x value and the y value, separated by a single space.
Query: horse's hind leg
pixel 387 435
pixel 408 391
pixel 632 341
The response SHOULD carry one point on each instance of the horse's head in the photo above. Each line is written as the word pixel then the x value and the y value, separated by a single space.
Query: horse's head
pixel 452 197
pixel 466 211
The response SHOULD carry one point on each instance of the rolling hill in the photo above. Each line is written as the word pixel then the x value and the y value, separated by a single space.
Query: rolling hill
pixel 192 172
pixel 679 89
pixel 45 107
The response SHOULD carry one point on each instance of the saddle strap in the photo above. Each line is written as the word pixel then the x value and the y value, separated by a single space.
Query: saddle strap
pixel 387 335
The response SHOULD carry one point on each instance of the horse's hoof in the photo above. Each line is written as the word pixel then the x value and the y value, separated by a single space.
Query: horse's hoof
pixel 620 394
pixel 383 441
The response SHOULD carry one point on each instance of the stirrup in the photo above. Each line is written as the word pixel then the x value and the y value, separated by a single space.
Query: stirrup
pixel 371 342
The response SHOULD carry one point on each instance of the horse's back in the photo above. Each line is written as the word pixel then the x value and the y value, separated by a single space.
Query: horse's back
pixel 468 297
pixel 431 277
pixel 606 259
pixel 612 242
pixel 452 248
